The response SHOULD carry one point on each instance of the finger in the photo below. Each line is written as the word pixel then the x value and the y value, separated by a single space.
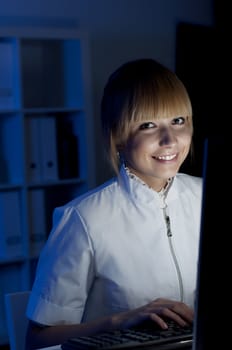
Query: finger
pixel 170 314
pixel 180 308
pixel 154 317
pixel 183 311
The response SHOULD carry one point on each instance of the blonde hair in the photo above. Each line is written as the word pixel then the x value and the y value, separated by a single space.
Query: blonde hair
pixel 139 90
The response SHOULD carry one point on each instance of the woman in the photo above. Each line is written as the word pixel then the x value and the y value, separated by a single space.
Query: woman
pixel 126 251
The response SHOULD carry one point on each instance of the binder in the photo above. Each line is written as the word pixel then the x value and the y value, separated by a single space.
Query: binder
pixel 6 74
pixel 33 149
pixel 37 221
pixel 67 149
pixel 11 244
pixel 41 148
pixel 49 166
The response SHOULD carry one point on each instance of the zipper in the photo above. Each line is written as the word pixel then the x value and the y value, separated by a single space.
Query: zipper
pixel 169 235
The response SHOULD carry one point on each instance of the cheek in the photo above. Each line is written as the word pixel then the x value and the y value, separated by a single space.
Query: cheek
pixel 186 138
pixel 140 149
pixel 136 149
pixel 141 144
pixel 186 142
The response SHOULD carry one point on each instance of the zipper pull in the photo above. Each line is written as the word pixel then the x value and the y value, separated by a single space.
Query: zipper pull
pixel 169 233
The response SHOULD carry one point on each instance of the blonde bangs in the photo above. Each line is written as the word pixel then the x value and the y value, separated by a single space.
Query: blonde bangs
pixel 161 100
pixel 157 101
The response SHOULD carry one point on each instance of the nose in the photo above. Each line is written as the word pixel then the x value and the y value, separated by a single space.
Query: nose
pixel 167 137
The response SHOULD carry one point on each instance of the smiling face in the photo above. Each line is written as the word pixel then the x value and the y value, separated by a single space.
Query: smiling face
pixel 146 116
pixel 156 149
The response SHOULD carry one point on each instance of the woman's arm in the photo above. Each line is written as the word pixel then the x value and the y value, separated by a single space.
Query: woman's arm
pixel 42 336
pixel 156 311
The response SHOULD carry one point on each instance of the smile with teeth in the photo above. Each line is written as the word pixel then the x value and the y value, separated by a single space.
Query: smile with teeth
pixel 167 157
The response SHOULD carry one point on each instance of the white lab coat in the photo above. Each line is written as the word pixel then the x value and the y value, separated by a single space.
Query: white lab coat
pixel 109 251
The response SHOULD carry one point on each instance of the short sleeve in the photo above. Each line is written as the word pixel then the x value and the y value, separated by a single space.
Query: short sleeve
pixel 65 272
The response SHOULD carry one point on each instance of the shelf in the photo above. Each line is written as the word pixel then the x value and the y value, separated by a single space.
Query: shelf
pixel 45 124
pixel 58 59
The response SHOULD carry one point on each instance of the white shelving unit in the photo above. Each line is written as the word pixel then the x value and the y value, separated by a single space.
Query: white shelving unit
pixel 46 137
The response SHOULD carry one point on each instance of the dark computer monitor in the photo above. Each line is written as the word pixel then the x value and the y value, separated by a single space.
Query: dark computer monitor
pixel 213 295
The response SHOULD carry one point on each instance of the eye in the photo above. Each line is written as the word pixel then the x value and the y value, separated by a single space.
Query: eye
pixel 147 125
pixel 178 121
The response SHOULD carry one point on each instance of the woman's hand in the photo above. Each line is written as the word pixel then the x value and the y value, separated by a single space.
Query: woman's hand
pixel 157 311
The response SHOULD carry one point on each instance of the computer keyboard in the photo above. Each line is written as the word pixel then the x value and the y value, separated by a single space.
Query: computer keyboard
pixel 146 337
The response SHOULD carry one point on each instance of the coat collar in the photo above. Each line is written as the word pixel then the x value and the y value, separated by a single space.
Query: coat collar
pixel 140 191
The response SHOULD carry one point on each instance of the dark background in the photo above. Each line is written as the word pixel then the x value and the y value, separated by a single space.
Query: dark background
pixel 203 62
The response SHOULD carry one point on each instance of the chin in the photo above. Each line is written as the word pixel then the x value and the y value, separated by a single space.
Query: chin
pixel 169 174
